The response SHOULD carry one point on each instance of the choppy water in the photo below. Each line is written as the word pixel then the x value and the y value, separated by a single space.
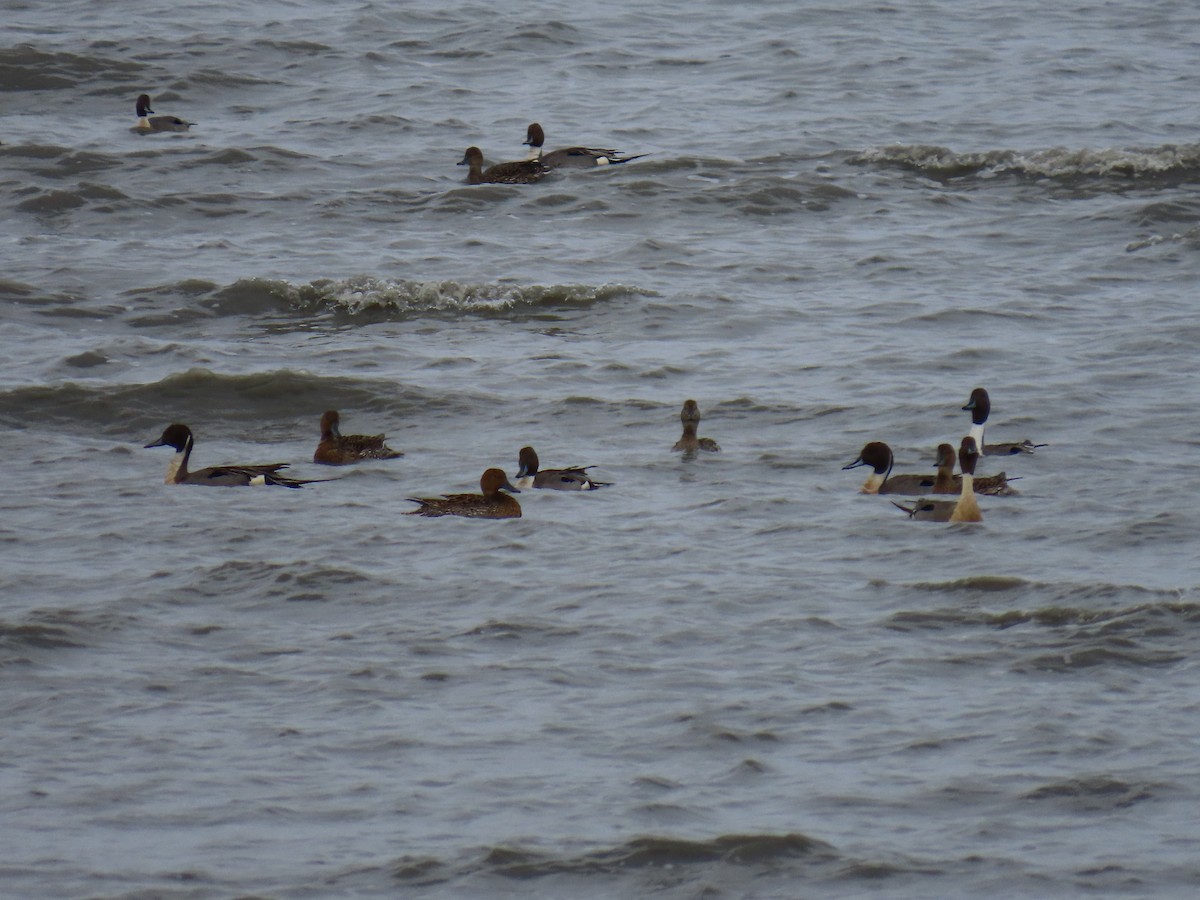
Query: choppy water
pixel 732 676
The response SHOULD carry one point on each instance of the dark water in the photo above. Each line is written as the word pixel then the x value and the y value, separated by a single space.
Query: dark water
pixel 729 676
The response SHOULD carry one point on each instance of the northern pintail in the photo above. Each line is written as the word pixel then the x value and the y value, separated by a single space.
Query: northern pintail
pixel 337 449
pixel 491 504
pixel 966 507
pixel 180 437
pixel 522 171
pixel 689 443
pixel 980 406
pixel 949 483
pixel 571 157
pixel 148 124
pixel 878 456
pixel 572 478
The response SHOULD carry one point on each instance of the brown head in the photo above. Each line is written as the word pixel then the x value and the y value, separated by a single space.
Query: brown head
pixel 174 435
pixel 329 424
pixel 980 406
pixel 968 453
pixel 877 455
pixel 690 412
pixel 534 136
pixel 527 462
pixel 945 456
pixel 494 481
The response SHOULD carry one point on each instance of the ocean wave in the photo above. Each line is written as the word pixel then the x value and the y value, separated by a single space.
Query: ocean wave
pixel 374 299
pixel 207 401
pixel 1097 793
pixel 26 68
pixel 1131 618
pixel 1156 165
pixel 53 202
pixel 1057 592
pixel 653 852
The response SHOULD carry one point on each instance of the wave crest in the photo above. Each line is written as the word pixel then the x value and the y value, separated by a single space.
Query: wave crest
pixel 1169 162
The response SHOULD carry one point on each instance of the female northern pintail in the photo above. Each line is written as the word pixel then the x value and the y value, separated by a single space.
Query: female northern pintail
pixel 180 437
pixel 147 124
pixel 572 478
pixel 689 443
pixel 491 504
pixel 965 508
pixel 571 157
pixel 949 483
pixel 337 449
pixel 980 406
pixel 878 456
pixel 522 171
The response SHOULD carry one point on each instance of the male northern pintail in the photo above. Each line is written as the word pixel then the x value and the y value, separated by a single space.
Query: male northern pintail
pixel 491 504
pixel 878 456
pixel 980 406
pixel 522 171
pixel 572 478
pixel 949 483
pixel 180 437
pixel 965 508
pixel 571 157
pixel 148 124
pixel 689 443
pixel 337 449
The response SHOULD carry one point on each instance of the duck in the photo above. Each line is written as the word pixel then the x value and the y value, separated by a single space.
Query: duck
pixel 947 482
pixel 147 124
pixel 878 456
pixel 180 437
pixel 980 406
pixel 522 171
pixel 337 449
pixel 571 157
pixel 572 478
pixel 689 443
pixel 490 504
pixel 966 507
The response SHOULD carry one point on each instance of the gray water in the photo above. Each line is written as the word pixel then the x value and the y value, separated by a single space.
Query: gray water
pixel 729 676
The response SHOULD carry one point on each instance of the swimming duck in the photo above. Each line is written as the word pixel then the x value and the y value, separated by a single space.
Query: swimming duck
pixel 180 437
pixel 878 456
pixel 689 443
pixel 572 478
pixel 949 483
pixel 490 504
pixel 337 449
pixel 571 157
pixel 147 124
pixel 980 406
pixel 522 171
pixel 965 508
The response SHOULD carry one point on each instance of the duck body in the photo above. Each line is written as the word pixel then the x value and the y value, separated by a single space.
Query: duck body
pixel 180 438
pixel 966 507
pixel 571 157
pixel 337 449
pixel 572 478
pixel 949 483
pixel 878 456
pixel 490 504
pixel 148 124
pixel 689 443
pixel 524 171
pixel 980 406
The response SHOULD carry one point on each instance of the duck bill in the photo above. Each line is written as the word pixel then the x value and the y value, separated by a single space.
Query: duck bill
pixel 854 465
